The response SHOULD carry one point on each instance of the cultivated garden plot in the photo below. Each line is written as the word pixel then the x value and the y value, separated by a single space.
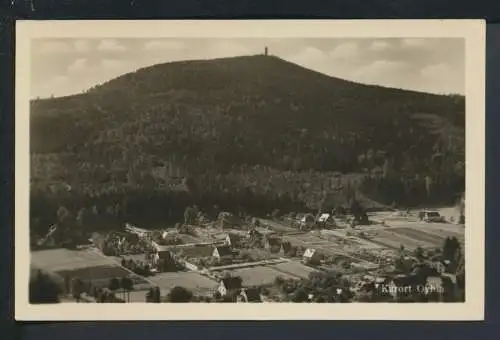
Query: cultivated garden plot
pixel 293 268
pixel 394 240
pixel 190 280
pixel 64 259
pixel 259 276
pixel 419 236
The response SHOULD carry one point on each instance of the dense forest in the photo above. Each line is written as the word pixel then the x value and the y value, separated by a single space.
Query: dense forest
pixel 254 133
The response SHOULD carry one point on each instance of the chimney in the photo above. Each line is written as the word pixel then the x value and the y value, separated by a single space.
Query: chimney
pixel 266 51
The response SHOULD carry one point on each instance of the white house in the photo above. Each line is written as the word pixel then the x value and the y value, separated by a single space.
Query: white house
pixel 323 218
pixel 326 219
pixel 311 256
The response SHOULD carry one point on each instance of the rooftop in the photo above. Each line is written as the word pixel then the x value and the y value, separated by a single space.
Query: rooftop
pixel 232 282
pixel 224 250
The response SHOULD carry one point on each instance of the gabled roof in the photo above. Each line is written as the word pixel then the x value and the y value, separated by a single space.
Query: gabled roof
pixel 232 283
pixel 224 250
pixel 233 237
pixel 286 246
pixel 273 241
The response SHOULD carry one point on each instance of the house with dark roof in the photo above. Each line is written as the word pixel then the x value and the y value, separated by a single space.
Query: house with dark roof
pixel 326 220
pixel 232 240
pixel 249 295
pixel 221 252
pixel 286 247
pixel 273 244
pixel 230 285
pixel 196 251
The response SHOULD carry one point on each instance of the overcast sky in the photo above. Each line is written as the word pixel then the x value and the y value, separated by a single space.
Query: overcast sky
pixel 66 66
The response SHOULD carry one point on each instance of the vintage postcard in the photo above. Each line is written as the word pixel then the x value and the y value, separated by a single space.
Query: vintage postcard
pixel 251 170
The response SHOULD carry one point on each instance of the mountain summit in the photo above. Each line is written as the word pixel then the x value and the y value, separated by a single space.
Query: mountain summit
pixel 230 113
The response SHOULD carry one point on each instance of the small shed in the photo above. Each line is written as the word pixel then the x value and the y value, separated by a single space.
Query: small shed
pixel 230 285
pixel 222 252
pixel 232 240
pixel 273 244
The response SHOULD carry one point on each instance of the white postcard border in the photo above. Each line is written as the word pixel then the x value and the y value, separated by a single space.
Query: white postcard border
pixel 473 31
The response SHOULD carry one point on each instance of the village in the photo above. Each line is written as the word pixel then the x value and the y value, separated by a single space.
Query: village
pixel 285 257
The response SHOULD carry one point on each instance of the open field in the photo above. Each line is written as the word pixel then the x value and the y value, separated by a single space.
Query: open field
pixel 87 265
pixel 99 276
pixel 412 235
pixel 293 268
pixel 421 236
pixel 278 226
pixel 444 231
pixel 247 264
pixel 341 235
pixel 394 240
pixel 193 281
pixel 258 276
pixel 189 238
pixel 209 234
pixel 134 257
pixel 64 259
pixel 261 254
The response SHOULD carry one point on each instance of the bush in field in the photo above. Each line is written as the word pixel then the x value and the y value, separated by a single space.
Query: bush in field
pixel 179 294
pixel 190 215
pixel 246 255
pixel 276 214
pixel 153 295
pixel 292 252
pixel 43 289
pixel 300 295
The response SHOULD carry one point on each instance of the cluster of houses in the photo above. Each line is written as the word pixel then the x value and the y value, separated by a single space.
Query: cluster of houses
pixel 233 287
pixel 309 221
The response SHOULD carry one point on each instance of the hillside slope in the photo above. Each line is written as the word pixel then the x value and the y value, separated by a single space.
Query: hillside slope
pixel 236 116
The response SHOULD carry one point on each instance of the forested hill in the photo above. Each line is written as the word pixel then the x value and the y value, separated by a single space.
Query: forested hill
pixel 235 115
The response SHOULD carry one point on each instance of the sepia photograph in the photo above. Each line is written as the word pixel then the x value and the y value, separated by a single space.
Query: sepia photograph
pixel 239 168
